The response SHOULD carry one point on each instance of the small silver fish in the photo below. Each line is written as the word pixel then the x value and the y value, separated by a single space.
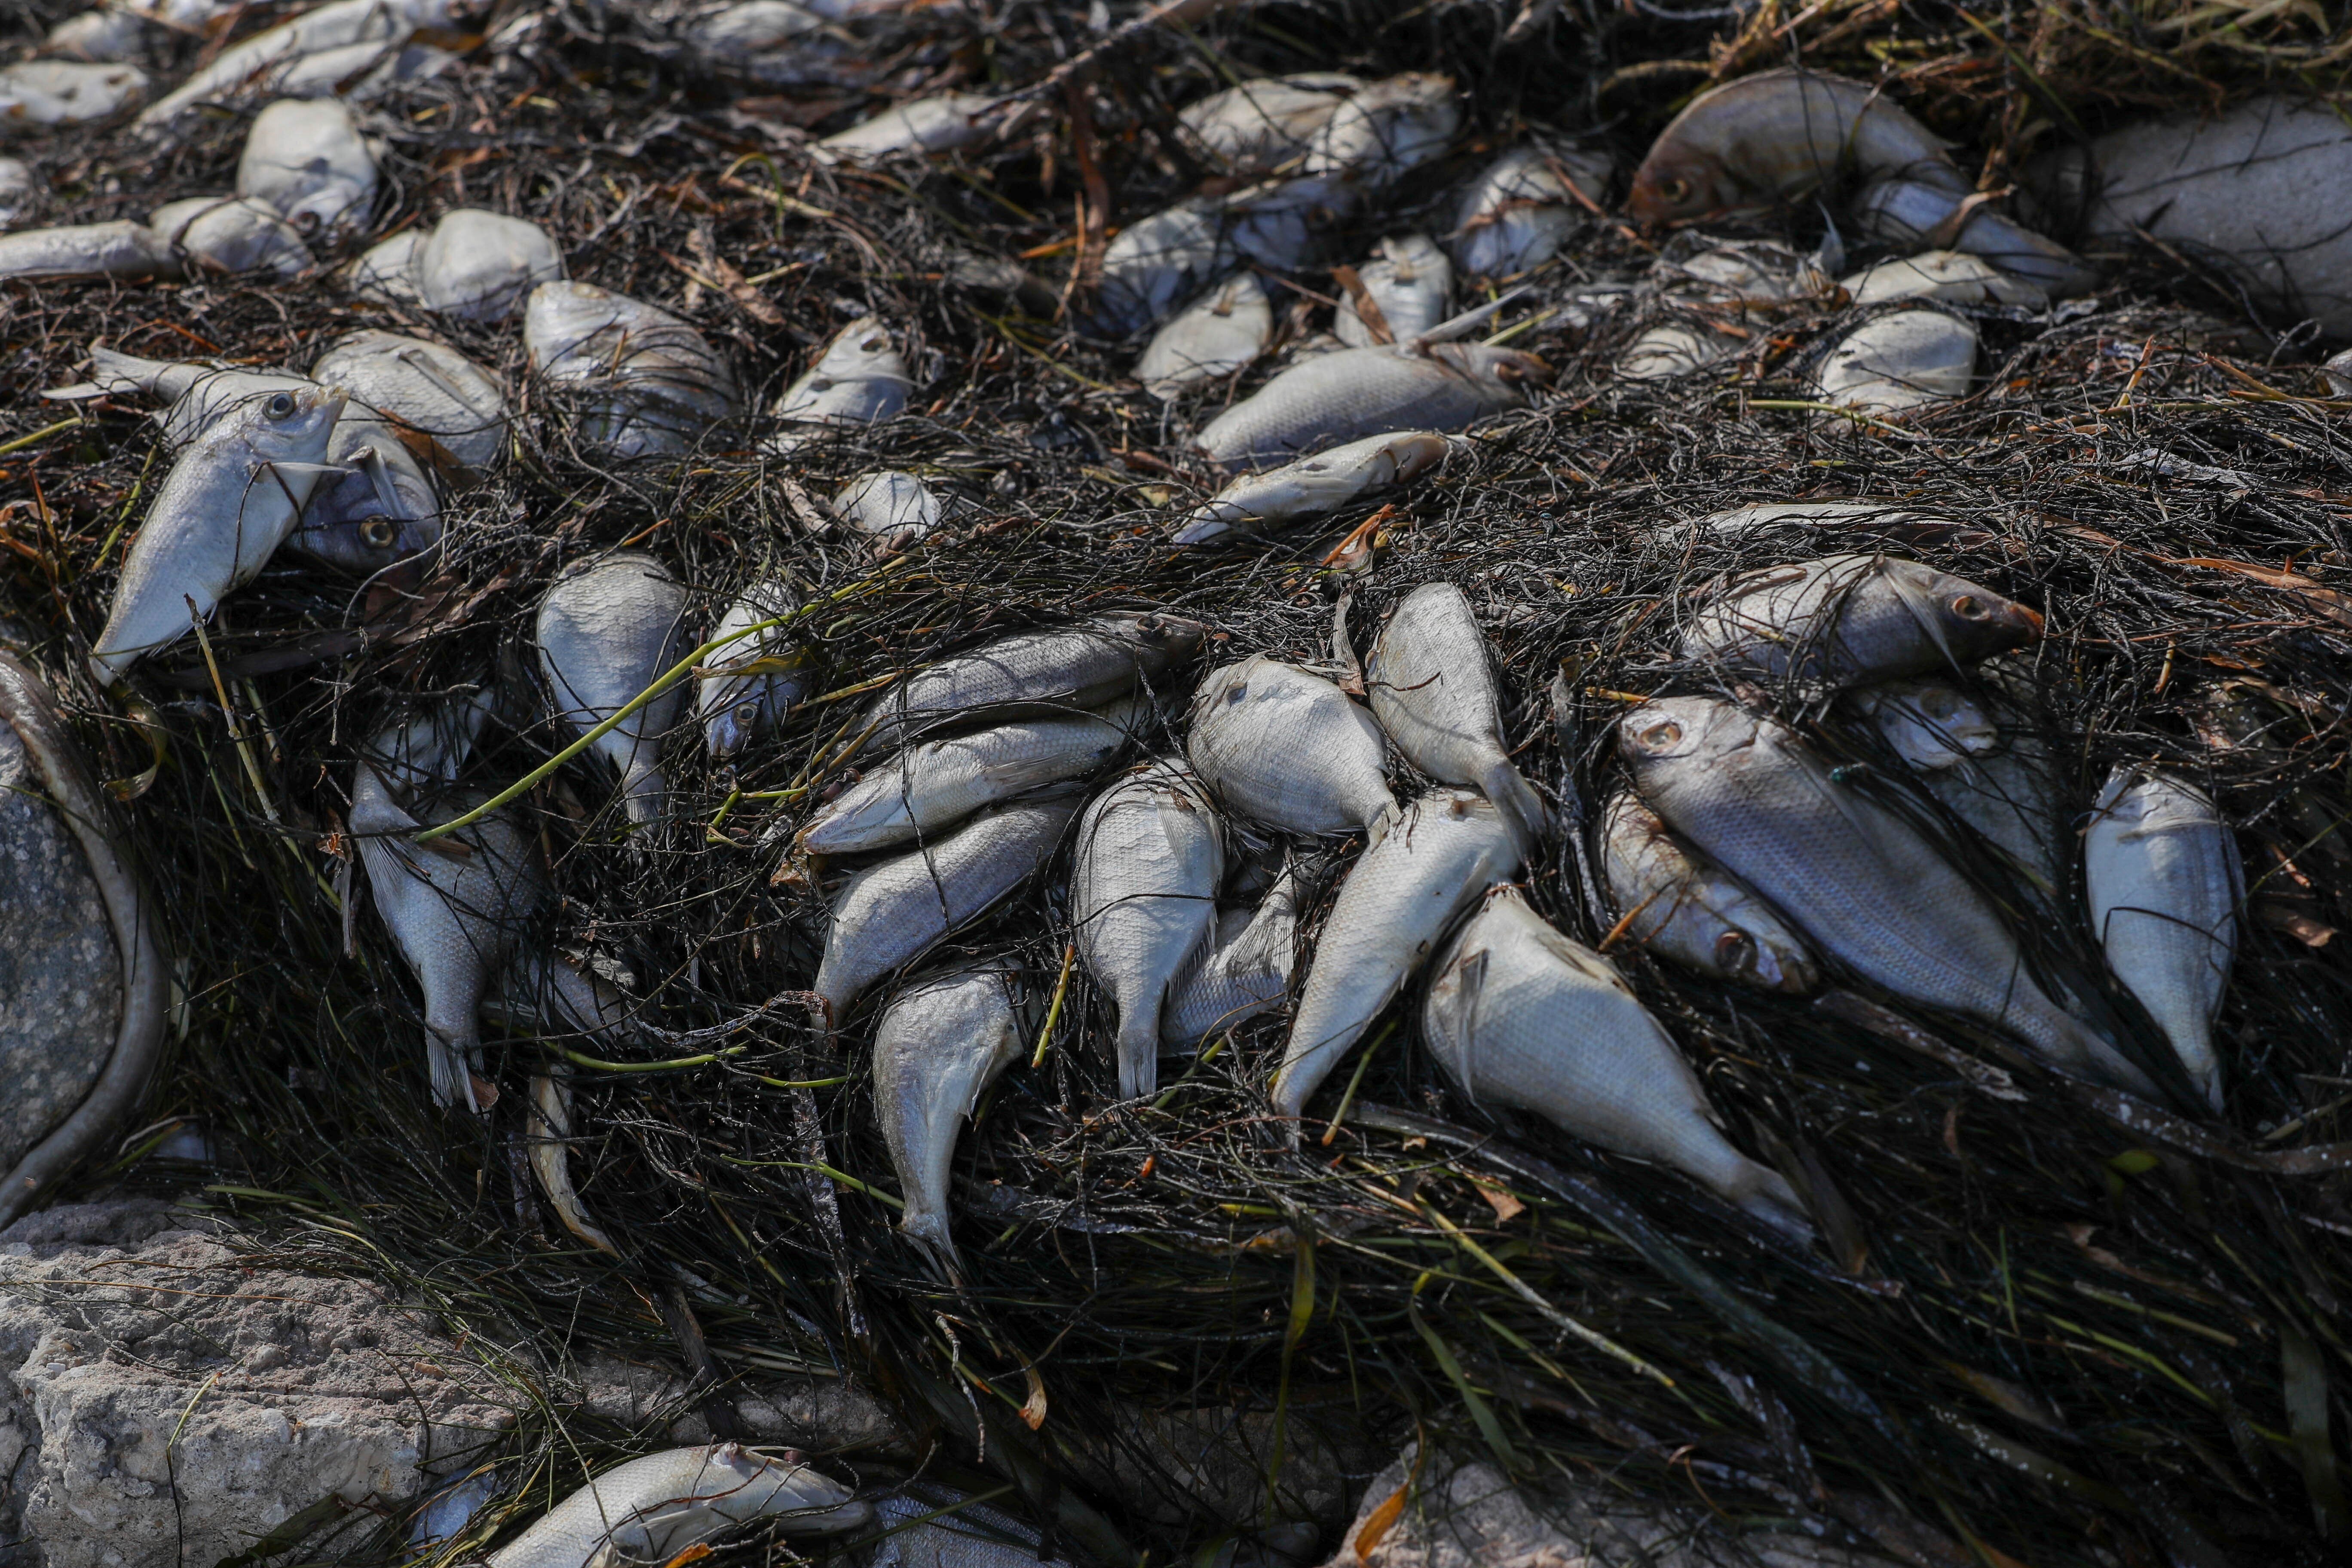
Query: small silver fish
pixel 1520 1015
pixel 1519 210
pixel 1242 971
pixel 102 34
pixel 1256 126
pixel 1931 724
pixel 1310 488
pixel 1847 620
pixel 1950 276
pixel 1433 689
pixel 63 93
pixel 648 1511
pixel 232 234
pixel 1143 889
pixel 1411 284
pixel 751 684
pixel 231 498
pixel 1154 263
pixel 606 629
pixel 1050 672
pixel 860 379
pixel 1280 224
pixel 1387 130
pixel 1398 899
pixel 890 914
pixel 357 73
pixel 1893 364
pixel 305 157
pixel 942 1040
pixel 327 27
pixel 120 249
pixel 547 1132
pixel 933 1526
pixel 1216 336
pixel 479 266
pixel 424 386
pixel 386 272
pixel 926 125
pixel 1683 906
pixel 1911 215
pixel 1355 392
pixel 2165 882
pixel 932 786
pixel 645 383
pixel 892 508
pixel 1290 751
pixel 383 510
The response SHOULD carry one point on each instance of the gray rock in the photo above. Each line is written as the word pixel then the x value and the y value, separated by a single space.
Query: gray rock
pixel 60 976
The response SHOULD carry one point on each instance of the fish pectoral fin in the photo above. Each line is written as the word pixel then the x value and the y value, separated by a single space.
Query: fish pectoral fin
pixel 1916 601
pixel 1021 772
pixel 379 474
pixel 318 470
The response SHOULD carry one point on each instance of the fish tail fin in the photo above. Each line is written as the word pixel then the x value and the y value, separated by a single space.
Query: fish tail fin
pixel 644 792
pixel 451 1064
pixel 1377 825
pixel 1523 817
pixel 1138 1053
pixel 928 1232
pixel 1767 1197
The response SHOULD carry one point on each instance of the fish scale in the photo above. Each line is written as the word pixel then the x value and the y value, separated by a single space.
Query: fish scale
pixel 1354 392
pixel 605 631
pixel 1289 749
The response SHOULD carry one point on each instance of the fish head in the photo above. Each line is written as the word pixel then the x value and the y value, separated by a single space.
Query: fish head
pixel 1227 686
pixel 1515 368
pixel 1667 730
pixel 1172 638
pixel 1931 725
pixel 733 710
pixel 778 1485
pixel 348 525
pixel 1968 622
pixel 1675 185
pixel 1762 959
pixel 291 424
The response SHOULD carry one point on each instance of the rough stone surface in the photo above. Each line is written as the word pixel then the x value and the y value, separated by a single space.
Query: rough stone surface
pixel 60 978
pixel 168 1395
pixel 1466 1515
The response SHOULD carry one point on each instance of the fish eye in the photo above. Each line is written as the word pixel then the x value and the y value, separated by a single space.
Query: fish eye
pixel 1239 693
pixel 747 714
pixel 1676 190
pixel 1969 607
pixel 280 405
pixel 875 345
pixel 377 532
pixel 1660 735
pixel 1736 951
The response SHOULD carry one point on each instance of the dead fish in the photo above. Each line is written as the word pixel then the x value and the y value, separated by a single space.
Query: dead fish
pixel 454 911
pixel 1893 364
pixel 1154 263
pixel 1931 724
pixel 1670 350
pixel 643 382
pixel 547 1132
pixel 1449 847
pixel 196 394
pixel 1807 516
pixel 1684 907
pixel 732 33
pixel 1289 751
pixel 1050 672
pixel 120 249
pixel 1863 886
pixel 892 508
pixel 1355 392
pixel 327 27
pixel 2253 192
pixel 101 33
pixel 1520 1015
pixel 479 266
pixel 1383 132
pixel 549 996
pixel 606 630
pixel 1518 211
pixel 1257 126
pixel 357 73
pixel 1267 502
pixel 231 499
pixel 19 193
pixel 1987 766
pixel 929 787
pixel 387 273
pixel 2165 882
pixel 933 1526
pixel 1410 283
pixel 1950 276
pixel 1280 224
pixel 941 1042
pixel 56 94
pixel 1143 889
pixel 305 157
pixel 1911 215
pixel 1433 689
pixel 424 386
pixel 890 914
pixel 1846 620
pixel 939 124
pixel 382 510
pixel 1216 336
pixel 858 380
pixel 1242 971
pixel 750 686
pixel 1776 136
pixel 653 1508
pixel 232 234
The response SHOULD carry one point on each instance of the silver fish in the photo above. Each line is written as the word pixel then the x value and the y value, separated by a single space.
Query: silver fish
pixel 646 382
pixel 305 157
pixel 1398 899
pixel 479 266
pixel 1216 336
pixel 1143 889
pixel 939 124
pixel 1808 515
pixel 1520 1015
pixel 383 510
pixel 1950 276
pixel 732 33
pixel 102 34
pixel 890 914
pixel 1312 487
pixel 1289 751
pixel 1518 211
pixel 1411 284
pixel 2165 883
pixel 386 272
pixel 1433 689
pixel 937 783
pixel 1893 364
pixel 1257 126
pixel 547 1134
pixel 1386 131
pixel 941 1042
pixel 1155 262
pixel 752 683
pixel 358 73
pixel 232 234
pixel 424 386
pixel 933 1526
pixel 453 907
pixel 652 1509
pixel 606 630
pixel 1845 620
pixel 1245 969
pixel 1683 906
pixel 1911 215
pixel 196 394
pixel 120 249
pixel 1280 224
pixel 1050 672
pixel 1670 350
pixel 59 93
pixel 1866 889
pixel 231 499
pixel 544 994
pixel 860 378
pixel 1355 392
pixel 1931 724
pixel 892 508
pixel 327 27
